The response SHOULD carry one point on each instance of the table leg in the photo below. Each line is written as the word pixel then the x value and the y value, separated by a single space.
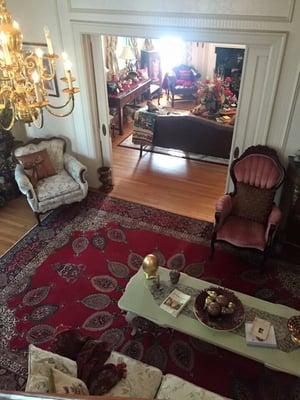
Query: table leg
pixel 120 116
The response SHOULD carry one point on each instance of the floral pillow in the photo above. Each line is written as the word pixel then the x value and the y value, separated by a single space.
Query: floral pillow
pixel 40 365
pixel 66 384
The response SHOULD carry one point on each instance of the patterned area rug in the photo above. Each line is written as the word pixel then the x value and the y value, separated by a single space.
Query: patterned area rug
pixel 174 153
pixel 71 271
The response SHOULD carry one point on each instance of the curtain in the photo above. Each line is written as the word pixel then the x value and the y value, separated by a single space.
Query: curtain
pixel 189 47
pixel 148 45
pixel 110 48
pixel 132 42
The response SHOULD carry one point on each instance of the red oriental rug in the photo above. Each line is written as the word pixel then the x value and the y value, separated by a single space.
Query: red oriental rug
pixel 71 271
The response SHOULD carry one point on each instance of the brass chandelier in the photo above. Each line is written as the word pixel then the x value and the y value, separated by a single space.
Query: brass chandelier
pixel 24 75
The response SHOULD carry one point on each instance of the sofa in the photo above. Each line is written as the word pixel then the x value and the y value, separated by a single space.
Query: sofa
pixel 184 132
pixel 147 382
pixel 50 372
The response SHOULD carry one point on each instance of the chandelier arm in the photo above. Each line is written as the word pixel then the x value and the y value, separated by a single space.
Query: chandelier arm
pixel 71 98
pixel 40 117
pixel 62 114
pixel 12 121
pixel 48 77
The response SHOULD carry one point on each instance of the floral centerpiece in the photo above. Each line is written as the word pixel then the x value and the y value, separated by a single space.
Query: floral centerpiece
pixel 215 94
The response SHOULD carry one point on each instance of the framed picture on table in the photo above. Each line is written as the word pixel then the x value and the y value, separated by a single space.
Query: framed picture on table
pixel 50 86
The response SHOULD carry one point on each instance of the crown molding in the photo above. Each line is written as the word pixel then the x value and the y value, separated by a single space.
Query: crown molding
pixel 259 10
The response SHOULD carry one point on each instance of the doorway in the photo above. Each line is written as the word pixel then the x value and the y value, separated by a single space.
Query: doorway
pixel 261 69
pixel 188 174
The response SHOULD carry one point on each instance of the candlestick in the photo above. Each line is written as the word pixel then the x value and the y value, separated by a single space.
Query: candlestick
pixel 48 40
pixel 39 52
pixel 68 66
pixel 36 81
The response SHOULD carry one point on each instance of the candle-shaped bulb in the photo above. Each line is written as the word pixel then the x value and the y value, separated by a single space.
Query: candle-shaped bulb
pixel 5 49
pixel 36 77
pixel 68 65
pixel 65 56
pixel 16 25
pixel 39 52
pixel 48 40
pixel 3 38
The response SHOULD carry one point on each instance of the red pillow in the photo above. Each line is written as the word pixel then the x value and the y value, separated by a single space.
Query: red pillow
pixel 184 74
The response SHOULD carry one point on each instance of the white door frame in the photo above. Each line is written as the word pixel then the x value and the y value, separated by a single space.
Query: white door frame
pixel 262 64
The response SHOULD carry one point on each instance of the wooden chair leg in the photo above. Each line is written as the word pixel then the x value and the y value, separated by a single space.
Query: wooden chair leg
pixel 141 151
pixel 212 248
pixel 172 100
pixel 37 215
pixel 263 260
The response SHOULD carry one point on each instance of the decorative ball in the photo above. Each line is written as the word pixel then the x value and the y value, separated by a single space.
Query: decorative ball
pixel 174 276
pixel 212 294
pixel 214 309
pixel 227 311
pixel 222 300
pixel 150 266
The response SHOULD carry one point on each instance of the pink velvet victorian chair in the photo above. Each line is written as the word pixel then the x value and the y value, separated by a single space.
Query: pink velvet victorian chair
pixel 248 217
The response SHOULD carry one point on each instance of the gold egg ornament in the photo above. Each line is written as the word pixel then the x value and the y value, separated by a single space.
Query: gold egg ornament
pixel 150 266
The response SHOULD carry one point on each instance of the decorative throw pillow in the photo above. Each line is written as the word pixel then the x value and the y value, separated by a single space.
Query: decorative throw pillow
pixel 253 203
pixel 37 166
pixel 66 384
pixel 184 74
pixel 40 363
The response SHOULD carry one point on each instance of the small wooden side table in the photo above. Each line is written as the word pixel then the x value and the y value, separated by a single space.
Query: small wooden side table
pixel 120 100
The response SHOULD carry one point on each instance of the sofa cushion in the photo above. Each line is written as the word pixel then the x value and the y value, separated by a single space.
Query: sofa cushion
pixel 142 380
pixel 252 202
pixel 40 364
pixel 66 384
pixel 243 232
pixel 56 185
pixel 174 388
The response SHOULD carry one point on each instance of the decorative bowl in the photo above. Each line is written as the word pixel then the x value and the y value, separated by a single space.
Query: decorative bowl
pixel 227 322
pixel 293 326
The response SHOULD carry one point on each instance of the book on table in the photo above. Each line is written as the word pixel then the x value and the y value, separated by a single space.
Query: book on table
pixel 253 340
pixel 175 302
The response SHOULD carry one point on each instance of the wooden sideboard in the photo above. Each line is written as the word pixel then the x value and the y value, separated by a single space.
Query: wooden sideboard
pixel 124 98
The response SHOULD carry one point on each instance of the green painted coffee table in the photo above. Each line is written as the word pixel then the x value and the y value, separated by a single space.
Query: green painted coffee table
pixel 138 300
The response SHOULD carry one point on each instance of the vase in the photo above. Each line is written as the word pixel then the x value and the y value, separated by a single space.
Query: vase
pixel 105 177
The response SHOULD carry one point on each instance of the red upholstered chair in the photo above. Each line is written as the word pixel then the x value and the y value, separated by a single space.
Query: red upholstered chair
pixel 248 217
pixel 182 82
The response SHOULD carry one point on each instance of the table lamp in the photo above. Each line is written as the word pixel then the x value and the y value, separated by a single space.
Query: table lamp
pixel 127 55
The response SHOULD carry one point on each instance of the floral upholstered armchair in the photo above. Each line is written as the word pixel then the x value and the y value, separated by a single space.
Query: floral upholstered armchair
pixel 248 217
pixel 48 176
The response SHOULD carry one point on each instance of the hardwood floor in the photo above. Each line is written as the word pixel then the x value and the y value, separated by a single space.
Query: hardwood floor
pixel 174 184
pixel 16 218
